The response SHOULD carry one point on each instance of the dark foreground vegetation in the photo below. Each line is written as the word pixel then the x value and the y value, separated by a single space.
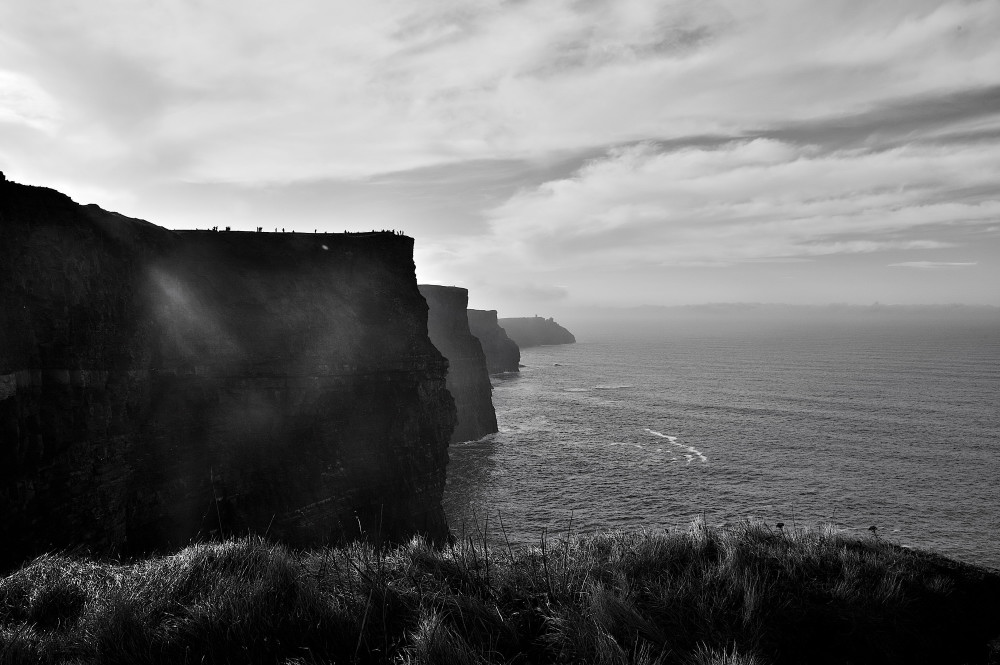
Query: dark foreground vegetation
pixel 736 596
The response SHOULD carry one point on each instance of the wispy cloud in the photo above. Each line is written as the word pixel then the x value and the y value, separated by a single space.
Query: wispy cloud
pixel 750 201
pixel 251 91
pixel 934 265
pixel 23 102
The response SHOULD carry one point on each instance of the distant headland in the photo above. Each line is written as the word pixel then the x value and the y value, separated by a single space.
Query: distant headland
pixel 536 331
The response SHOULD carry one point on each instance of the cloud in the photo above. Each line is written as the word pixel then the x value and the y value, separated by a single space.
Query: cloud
pixel 534 292
pixel 962 116
pixel 254 91
pixel 24 102
pixel 749 201
pixel 933 265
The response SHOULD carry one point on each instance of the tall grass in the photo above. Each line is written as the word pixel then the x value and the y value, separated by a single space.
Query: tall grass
pixel 747 595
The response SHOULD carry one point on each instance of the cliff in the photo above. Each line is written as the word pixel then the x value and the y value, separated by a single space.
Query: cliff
pixel 502 354
pixel 158 385
pixel 536 331
pixel 468 378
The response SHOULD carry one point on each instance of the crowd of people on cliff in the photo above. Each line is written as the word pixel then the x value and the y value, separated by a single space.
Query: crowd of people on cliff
pixel 260 229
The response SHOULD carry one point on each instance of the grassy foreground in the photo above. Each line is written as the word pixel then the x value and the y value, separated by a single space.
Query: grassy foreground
pixel 736 596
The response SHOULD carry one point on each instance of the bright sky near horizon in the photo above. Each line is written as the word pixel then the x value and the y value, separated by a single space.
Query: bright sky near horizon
pixel 545 154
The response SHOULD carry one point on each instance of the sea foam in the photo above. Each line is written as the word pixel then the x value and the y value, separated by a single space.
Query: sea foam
pixel 691 453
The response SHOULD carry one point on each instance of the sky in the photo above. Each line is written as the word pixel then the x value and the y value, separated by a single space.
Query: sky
pixel 544 154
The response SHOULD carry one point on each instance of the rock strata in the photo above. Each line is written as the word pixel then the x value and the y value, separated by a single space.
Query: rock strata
pixel 536 331
pixel 160 386
pixel 502 354
pixel 468 378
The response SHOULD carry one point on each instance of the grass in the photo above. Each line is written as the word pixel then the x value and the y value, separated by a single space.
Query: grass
pixel 747 595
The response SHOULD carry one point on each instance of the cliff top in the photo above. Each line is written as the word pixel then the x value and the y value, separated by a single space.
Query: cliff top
pixel 265 249
pixel 34 203
pixel 454 296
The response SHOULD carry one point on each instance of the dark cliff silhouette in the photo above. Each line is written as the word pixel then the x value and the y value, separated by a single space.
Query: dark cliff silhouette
pixel 157 386
pixel 536 331
pixel 468 378
pixel 502 354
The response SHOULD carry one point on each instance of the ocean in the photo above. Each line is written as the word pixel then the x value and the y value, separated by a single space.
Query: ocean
pixel 858 422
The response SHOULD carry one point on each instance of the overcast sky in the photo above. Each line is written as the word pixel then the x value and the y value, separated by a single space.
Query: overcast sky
pixel 543 153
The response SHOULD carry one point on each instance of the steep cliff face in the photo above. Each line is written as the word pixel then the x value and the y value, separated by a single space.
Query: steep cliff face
pixel 74 369
pixel 158 385
pixel 502 354
pixel 536 331
pixel 468 377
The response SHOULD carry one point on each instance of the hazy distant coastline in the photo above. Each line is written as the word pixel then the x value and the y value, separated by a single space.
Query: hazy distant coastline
pixel 606 320
pixel 763 309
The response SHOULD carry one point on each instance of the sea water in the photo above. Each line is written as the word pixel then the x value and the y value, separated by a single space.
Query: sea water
pixel 892 424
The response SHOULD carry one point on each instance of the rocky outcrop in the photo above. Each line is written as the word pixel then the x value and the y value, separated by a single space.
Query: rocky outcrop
pixel 468 378
pixel 502 354
pixel 157 386
pixel 536 331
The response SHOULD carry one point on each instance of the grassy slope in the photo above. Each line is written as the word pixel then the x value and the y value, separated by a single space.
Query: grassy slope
pixel 735 596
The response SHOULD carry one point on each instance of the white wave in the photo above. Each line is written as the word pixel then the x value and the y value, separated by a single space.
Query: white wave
pixel 671 439
pixel 691 453
pixel 576 390
pixel 612 387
